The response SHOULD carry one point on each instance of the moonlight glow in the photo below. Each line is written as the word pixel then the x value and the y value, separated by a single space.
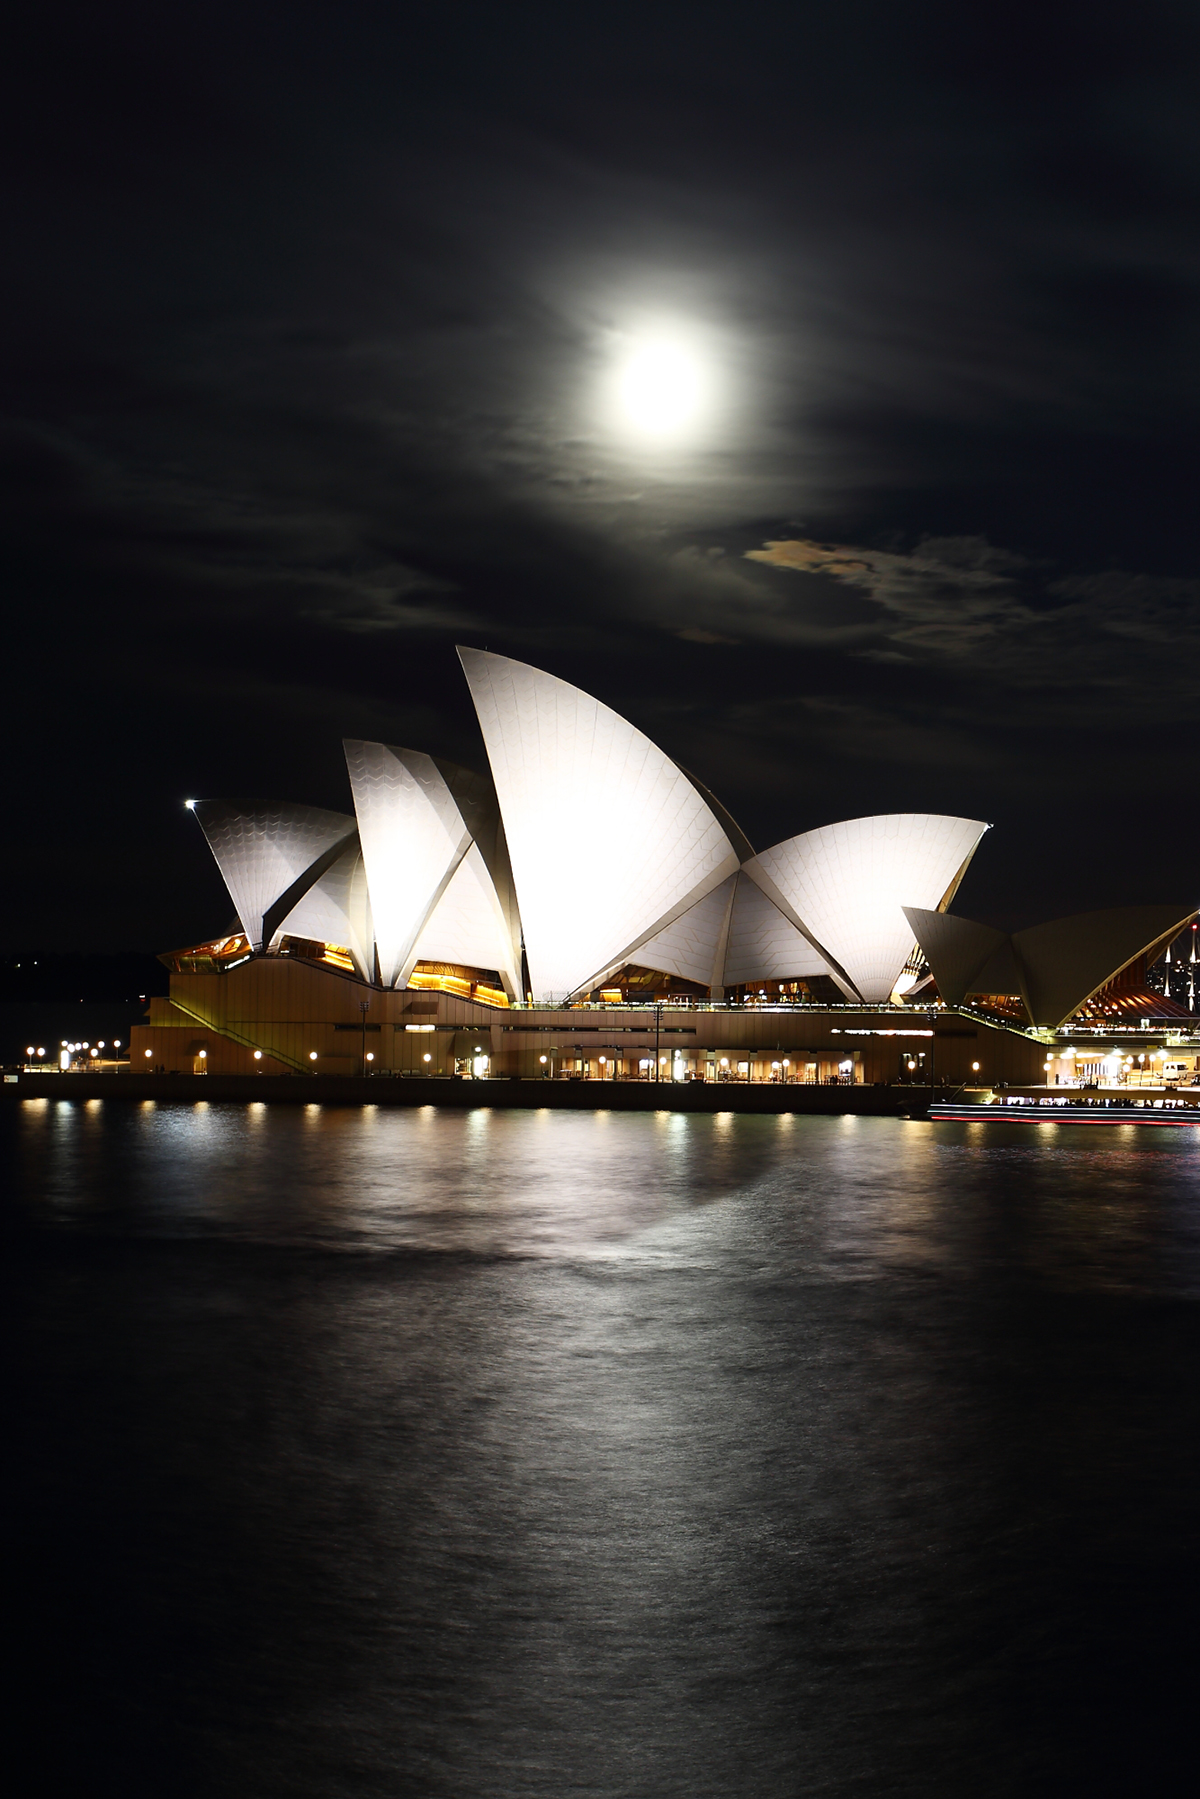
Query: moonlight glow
pixel 663 389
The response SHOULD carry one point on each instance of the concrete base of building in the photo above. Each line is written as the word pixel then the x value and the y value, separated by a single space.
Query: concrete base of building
pixel 556 1095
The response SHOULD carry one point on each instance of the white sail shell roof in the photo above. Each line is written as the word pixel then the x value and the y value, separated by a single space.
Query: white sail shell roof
pixel 609 841
pixel 693 946
pixel 467 925
pixel 846 885
pixel 261 849
pixel 337 909
pixel 763 945
pixel 413 839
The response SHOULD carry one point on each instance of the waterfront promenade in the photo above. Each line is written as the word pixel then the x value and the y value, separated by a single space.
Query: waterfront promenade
pixel 557 1095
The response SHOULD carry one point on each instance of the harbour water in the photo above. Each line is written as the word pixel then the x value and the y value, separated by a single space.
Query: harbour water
pixel 360 1451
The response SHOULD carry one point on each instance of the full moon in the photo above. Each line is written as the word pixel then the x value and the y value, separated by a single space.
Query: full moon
pixel 662 388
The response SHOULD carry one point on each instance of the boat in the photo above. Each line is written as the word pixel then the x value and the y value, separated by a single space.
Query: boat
pixel 1024 1108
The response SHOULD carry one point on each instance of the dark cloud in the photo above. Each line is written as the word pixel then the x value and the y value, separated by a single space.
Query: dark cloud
pixel 309 331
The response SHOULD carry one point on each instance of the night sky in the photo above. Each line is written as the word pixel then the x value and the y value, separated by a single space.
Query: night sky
pixel 317 338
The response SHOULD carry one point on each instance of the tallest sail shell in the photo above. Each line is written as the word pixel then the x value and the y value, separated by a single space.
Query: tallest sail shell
pixel 609 840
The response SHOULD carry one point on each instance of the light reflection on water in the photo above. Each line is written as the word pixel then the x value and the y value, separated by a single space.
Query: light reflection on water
pixel 506 1455
pixel 840 1197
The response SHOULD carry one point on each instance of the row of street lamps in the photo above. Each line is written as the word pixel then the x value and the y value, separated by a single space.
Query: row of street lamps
pixel 67 1053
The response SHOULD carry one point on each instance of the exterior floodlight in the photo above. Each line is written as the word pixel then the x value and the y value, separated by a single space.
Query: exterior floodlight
pixel 190 804
pixel 204 1055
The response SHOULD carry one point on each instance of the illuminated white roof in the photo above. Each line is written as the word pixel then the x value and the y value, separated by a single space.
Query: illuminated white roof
pixel 468 926
pixel 609 841
pixel 337 909
pixel 764 945
pixel 413 838
pixel 693 947
pixel 262 850
pixel 845 886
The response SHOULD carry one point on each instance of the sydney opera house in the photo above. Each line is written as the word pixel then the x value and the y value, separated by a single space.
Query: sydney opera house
pixel 588 908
